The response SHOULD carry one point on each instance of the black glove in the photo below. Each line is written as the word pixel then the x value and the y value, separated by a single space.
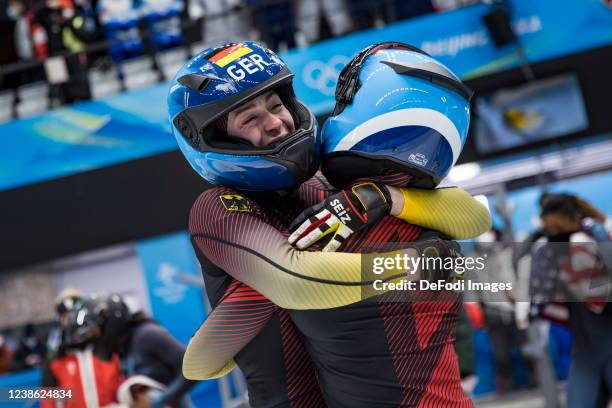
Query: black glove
pixel 341 214
pixel 436 253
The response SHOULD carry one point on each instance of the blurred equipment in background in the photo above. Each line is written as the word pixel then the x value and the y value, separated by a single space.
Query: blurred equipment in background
pixel 540 110
pixel 500 28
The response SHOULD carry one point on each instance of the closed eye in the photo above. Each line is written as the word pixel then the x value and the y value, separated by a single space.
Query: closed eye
pixel 250 119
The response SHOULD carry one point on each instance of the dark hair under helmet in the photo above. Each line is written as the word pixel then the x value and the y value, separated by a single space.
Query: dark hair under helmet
pixel 217 81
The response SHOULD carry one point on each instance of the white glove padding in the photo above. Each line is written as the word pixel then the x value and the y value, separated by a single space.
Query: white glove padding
pixel 125 395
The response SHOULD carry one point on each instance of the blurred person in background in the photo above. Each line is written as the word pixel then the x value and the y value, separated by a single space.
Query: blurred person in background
pixel 69 25
pixel 68 29
pixel 150 350
pixel 10 11
pixel 164 22
pixel 310 12
pixel 119 20
pixel 579 257
pixel 274 23
pixel 365 13
pixel 498 309
pixel 403 10
pixel 30 349
pixel 444 5
pixel 23 40
pixel 222 20
pixel 569 283
pixel 118 344
pixel 6 356
pixel 64 304
pixel 88 360
pixel 464 347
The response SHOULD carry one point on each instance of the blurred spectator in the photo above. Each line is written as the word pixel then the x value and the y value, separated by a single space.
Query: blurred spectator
pixel 403 10
pixel 151 351
pixel 365 13
pixel 119 20
pixel 310 12
pixel 224 20
pixel 53 15
pixel 90 341
pixel 464 347
pixel 498 313
pixel 274 22
pixel 29 351
pixel 67 32
pixel 443 5
pixel 164 22
pixel 104 333
pixel 571 220
pixel 10 11
pixel 6 356
pixel 22 40
pixel 64 304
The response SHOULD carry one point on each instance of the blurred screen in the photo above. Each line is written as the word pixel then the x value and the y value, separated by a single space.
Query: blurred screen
pixel 544 109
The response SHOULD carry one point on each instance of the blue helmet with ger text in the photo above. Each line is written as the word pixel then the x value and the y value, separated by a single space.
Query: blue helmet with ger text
pixel 217 81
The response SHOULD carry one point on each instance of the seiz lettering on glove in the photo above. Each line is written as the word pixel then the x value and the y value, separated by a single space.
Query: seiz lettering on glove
pixel 340 215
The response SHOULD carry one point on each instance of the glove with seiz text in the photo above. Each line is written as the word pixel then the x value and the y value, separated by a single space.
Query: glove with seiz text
pixel 340 215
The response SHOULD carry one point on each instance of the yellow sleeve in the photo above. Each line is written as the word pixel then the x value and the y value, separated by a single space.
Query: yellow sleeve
pixel 247 247
pixel 451 211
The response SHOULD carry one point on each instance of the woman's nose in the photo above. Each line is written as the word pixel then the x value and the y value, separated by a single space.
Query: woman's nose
pixel 273 124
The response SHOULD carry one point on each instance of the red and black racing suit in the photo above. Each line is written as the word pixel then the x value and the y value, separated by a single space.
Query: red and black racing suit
pixel 381 352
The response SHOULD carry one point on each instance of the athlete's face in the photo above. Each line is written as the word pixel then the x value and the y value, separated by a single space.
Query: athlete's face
pixel 555 224
pixel 262 121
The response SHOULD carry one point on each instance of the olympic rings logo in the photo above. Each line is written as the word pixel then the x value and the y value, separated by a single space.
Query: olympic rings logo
pixel 323 76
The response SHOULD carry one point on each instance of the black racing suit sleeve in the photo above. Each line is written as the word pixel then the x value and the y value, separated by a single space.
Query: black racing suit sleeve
pixel 158 343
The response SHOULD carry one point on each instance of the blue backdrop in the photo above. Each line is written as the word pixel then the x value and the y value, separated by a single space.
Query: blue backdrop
pixel 133 125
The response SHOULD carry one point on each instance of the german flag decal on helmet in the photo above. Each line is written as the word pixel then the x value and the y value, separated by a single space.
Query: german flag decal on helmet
pixel 230 54
pixel 234 202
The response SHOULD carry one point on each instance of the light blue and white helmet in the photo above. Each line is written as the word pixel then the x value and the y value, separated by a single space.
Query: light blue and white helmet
pixel 398 109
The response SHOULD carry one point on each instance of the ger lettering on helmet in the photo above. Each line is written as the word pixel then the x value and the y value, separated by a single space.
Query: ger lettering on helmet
pixel 398 109
pixel 216 82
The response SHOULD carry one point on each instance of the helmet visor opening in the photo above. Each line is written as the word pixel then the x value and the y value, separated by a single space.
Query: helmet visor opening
pixel 217 140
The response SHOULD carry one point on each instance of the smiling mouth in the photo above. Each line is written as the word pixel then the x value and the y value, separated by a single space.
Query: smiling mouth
pixel 282 135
